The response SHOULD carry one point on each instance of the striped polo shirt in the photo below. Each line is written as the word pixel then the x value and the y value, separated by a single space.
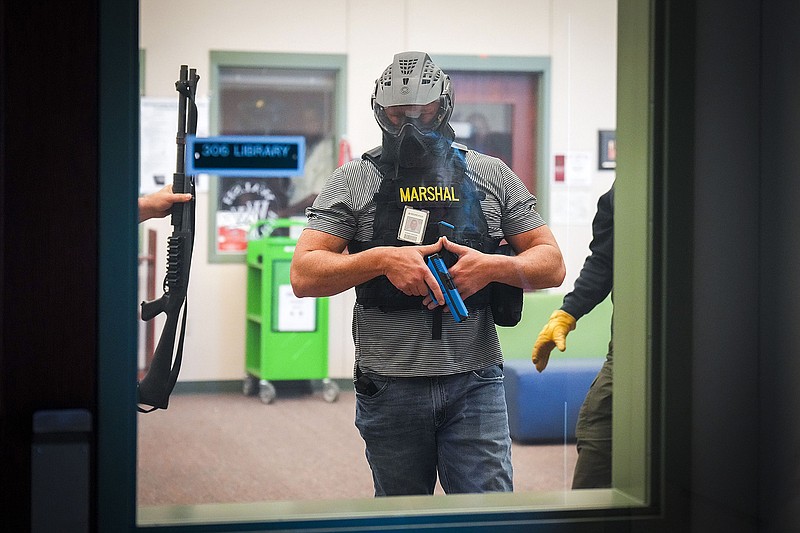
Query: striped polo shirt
pixel 399 343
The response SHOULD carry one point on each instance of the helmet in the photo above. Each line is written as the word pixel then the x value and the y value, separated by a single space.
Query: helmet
pixel 413 99
pixel 415 82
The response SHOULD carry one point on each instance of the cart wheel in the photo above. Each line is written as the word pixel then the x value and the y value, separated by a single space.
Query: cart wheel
pixel 266 391
pixel 250 385
pixel 330 390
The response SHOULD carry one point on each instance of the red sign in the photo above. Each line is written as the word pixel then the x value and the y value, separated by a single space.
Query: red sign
pixel 559 167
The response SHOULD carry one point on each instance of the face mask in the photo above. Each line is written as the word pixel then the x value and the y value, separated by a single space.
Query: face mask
pixel 412 148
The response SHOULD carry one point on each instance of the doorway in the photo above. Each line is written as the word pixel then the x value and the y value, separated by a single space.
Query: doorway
pixel 496 113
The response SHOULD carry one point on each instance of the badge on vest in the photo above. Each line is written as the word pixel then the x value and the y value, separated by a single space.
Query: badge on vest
pixel 412 225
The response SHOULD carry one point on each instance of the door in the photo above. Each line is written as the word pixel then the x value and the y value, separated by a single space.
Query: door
pixel 496 113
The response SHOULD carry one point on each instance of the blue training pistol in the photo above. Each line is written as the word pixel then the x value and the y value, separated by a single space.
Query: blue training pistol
pixel 452 298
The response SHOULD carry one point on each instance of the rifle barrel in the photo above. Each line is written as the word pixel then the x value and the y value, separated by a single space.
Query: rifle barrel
pixel 180 138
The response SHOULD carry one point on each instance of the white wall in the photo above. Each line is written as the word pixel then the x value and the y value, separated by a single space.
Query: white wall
pixel 579 36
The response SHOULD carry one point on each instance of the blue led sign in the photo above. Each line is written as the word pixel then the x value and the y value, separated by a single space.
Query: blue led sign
pixel 246 155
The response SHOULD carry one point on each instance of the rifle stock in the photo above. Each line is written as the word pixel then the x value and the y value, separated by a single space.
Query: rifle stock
pixel 155 387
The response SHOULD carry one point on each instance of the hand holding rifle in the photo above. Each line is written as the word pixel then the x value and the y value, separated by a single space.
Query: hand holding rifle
pixel 155 387
pixel 159 204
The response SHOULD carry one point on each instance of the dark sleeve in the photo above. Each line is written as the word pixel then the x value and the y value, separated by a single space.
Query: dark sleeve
pixel 596 279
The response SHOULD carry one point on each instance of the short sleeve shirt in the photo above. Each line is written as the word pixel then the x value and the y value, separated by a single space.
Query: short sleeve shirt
pixel 400 343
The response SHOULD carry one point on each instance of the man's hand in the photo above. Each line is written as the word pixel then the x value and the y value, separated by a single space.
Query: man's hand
pixel 320 268
pixel 159 203
pixel 468 274
pixel 554 334
pixel 406 269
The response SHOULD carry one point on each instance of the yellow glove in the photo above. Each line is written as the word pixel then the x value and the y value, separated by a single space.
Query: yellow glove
pixel 553 334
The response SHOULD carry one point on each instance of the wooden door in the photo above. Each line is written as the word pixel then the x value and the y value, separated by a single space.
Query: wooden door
pixel 496 112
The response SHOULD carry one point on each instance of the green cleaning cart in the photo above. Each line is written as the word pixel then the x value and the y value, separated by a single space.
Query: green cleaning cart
pixel 286 337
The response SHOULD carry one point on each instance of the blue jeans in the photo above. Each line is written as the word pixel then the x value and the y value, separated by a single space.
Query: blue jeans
pixel 456 426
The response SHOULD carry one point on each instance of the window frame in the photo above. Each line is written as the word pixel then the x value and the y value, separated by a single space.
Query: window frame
pixel 221 59
pixel 653 49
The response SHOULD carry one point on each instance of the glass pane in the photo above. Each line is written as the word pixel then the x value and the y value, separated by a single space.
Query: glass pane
pixel 273 101
pixel 486 128
pixel 500 112
pixel 547 133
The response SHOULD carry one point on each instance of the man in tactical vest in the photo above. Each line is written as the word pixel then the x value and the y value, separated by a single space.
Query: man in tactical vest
pixel 429 384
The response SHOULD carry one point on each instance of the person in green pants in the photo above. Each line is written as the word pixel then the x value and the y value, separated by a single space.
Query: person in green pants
pixel 593 285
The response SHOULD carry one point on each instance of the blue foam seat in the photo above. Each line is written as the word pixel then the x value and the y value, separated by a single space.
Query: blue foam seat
pixel 543 407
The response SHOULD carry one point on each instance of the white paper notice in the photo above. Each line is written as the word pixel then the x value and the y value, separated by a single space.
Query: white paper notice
pixel 295 314
pixel 158 121
pixel 568 207
pixel 578 168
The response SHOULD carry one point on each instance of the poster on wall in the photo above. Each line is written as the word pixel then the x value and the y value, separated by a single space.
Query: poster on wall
pixel 572 168
pixel 241 202
pixel 158 126
pixel 570 207
pixel 570 202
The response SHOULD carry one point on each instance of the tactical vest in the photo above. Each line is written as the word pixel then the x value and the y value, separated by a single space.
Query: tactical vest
pixel 449 195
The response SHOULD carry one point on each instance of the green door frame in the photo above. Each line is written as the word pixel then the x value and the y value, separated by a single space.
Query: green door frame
pixel 334 62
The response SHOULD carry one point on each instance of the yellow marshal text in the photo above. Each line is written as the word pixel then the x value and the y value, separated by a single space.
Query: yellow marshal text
pixel 428 194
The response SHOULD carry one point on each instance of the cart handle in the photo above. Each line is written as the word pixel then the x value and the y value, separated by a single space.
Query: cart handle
pixel 271 224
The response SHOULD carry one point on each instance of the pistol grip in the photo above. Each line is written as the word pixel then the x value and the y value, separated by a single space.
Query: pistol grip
pixel 153 309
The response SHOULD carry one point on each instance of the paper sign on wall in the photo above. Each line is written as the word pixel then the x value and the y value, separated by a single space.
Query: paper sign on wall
pixel 573 168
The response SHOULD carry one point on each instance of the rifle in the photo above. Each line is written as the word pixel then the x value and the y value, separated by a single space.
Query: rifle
pixel 155 387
